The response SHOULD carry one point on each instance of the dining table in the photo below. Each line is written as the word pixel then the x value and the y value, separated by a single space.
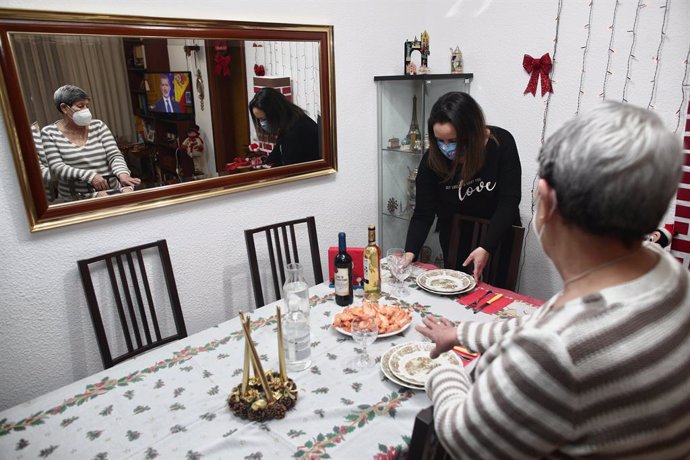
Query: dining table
pixel 171 402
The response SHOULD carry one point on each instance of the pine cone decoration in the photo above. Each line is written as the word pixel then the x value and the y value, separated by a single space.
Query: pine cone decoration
pixel 277 410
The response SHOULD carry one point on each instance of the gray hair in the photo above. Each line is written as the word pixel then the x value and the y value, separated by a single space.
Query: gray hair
pixel 614 170
pixel 69 94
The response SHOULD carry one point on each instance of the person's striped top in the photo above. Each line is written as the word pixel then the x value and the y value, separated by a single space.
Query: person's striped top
pixel 606 376
pixel 79 164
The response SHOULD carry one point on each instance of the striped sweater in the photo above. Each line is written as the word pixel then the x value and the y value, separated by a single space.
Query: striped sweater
pixel 79 164
pixel 605 376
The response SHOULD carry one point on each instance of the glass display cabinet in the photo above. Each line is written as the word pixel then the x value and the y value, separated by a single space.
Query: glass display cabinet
pixel 404 102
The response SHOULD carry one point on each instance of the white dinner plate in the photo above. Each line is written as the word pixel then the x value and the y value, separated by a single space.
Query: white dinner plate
pixel 446 282
pixel 387 334
pixel 411 362
pixel 385 368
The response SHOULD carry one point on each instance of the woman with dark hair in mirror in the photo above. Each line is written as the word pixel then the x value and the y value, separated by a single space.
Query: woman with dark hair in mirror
pixel 470 169
pixel 81 151
pixel 295 134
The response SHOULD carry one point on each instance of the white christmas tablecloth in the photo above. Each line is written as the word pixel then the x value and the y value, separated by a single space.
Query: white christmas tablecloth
pixel 171 402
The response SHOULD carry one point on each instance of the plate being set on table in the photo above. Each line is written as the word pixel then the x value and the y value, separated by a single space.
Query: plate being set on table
pixel 411 362
pixel 387 334
pixel 445 282
pixel 385 368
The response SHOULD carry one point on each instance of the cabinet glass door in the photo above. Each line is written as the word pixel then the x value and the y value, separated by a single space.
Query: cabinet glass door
pixel 404 103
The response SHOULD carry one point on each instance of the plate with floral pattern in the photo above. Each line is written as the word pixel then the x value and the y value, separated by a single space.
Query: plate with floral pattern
pixel 411 362
pixel 444 281
pixel 385 368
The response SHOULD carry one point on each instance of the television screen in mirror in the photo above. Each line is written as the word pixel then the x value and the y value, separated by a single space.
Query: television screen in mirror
pixel 169 115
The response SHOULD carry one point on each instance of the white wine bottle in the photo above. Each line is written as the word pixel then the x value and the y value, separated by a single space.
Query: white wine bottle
pixel 372 267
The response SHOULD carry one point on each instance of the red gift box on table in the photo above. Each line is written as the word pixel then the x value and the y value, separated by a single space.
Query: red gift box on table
pixel 357 255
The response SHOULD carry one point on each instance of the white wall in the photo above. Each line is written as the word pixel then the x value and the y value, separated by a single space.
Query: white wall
pixel 46 336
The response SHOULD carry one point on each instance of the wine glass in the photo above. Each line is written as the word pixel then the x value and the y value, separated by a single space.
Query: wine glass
pixel 364 332
pixel 399 269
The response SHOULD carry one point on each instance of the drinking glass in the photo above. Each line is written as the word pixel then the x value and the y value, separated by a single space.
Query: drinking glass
pixel 399 270
pixel 364 332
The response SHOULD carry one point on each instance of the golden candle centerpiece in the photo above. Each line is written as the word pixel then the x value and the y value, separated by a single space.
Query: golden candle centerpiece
pixel 266 395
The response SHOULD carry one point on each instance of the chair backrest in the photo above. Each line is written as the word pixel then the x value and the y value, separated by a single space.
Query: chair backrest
pixel 125 275
pixel 281 244
pixel 504 263
pixel 424 444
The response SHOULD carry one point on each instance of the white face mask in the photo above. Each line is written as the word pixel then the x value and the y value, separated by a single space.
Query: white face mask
pixel 82 117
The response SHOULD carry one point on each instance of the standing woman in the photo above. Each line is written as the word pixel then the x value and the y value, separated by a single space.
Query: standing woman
pixel 470 169
pixel 295 134
pixel 81 151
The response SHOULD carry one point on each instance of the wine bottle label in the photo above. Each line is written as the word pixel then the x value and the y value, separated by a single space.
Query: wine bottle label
pixel 342 281
pixel 372 278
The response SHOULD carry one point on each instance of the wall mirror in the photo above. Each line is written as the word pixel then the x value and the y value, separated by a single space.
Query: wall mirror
pixel 202 142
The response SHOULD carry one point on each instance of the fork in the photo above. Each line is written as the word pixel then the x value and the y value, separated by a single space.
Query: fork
pixel 476 302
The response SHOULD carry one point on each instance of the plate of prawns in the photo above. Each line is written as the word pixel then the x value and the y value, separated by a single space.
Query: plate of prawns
pixel 391 319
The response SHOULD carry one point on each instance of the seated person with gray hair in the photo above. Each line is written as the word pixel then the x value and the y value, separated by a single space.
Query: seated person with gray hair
pixel 602 370
pixel 81 152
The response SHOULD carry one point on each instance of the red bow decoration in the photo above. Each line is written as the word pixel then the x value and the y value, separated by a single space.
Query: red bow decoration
pixel 259 70
pixel 537 67
pixel 222 64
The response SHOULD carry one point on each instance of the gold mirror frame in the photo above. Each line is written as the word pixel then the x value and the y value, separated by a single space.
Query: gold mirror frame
pixel 43 216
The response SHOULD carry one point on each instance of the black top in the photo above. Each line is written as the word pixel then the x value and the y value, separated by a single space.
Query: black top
pixel 299 144
pixel 493 193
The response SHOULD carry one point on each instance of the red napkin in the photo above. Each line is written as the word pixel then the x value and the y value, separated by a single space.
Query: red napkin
pixel 497 305
pixel 480 293
pixel 472 296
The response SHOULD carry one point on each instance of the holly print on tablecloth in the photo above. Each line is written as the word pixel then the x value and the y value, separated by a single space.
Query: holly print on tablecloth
pixel 399 452
pixel 316 448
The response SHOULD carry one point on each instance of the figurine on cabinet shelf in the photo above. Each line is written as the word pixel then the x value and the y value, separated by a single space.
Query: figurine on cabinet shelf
pixel 456 63
pixel 393 143
pixel 194 146
pixel 392 206
pixel 416 45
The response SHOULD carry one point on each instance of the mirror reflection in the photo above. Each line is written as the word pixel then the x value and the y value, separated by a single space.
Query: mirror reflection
pixel 113 115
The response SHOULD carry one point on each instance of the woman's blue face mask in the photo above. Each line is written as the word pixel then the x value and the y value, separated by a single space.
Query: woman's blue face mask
pixel 265 125
pixel 448 150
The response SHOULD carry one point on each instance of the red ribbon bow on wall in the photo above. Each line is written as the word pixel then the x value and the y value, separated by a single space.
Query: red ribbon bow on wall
pixel 537 67
pixel 222 64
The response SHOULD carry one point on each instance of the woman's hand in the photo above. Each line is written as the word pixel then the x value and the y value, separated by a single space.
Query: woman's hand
pixel 441 331
pixel 99 183
pixel 479 257
pixel 127 180
pixel 409 258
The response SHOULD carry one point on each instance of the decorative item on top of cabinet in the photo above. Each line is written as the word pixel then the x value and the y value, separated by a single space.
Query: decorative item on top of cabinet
pixel 396 165
pixel 456 63
pixel 417 45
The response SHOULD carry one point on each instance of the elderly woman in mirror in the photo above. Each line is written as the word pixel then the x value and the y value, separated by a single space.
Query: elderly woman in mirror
pixel 81 152
pixel 295 134
pixel 603 368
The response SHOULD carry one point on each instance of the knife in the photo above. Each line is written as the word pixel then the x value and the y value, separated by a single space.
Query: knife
pixel 476 302
pixel 488 302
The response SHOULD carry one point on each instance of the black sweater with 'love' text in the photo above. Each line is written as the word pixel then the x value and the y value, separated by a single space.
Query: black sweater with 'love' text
pixel 493 193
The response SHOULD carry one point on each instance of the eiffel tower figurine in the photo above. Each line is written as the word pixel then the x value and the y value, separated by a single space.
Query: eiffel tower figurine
pixel 414 135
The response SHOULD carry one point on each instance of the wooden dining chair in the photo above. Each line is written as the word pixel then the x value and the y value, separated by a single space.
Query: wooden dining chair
pixel 424 443
pixel 120 290
pixel 504 263
pixel 281 244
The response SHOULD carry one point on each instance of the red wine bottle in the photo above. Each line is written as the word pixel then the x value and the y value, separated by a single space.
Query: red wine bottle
pixel 343 273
